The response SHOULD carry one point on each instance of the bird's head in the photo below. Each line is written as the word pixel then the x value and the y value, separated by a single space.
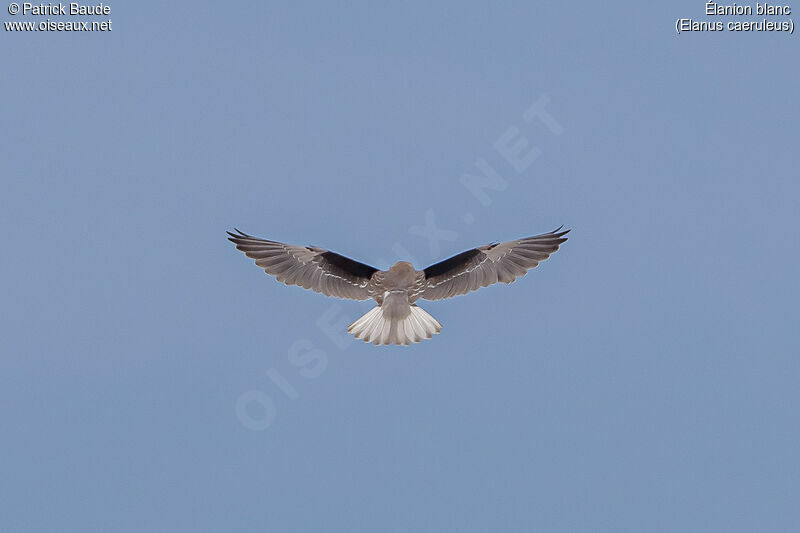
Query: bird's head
pixel 402 272
pixel 402 267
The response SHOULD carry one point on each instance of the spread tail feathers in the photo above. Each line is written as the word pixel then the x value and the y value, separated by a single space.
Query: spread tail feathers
pixel 374 327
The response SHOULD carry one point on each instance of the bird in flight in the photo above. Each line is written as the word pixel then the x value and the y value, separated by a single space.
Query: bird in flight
pixel 397 319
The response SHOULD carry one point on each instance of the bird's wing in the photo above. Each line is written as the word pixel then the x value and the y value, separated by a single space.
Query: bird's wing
pixel 485 265
pixel 307 266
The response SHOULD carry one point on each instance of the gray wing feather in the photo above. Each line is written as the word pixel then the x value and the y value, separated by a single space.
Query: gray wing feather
pixel 309 267
pixel 486 265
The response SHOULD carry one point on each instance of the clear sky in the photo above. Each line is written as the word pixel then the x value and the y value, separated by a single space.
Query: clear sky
pixel 644 378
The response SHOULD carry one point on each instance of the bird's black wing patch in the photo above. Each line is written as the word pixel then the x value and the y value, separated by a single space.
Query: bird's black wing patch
pixel 350 266
pixel 452 263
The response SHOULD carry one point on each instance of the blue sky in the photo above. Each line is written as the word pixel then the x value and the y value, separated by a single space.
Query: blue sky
pixel 644 378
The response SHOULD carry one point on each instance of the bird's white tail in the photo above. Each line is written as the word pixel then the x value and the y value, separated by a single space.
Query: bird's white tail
pixel 376 328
